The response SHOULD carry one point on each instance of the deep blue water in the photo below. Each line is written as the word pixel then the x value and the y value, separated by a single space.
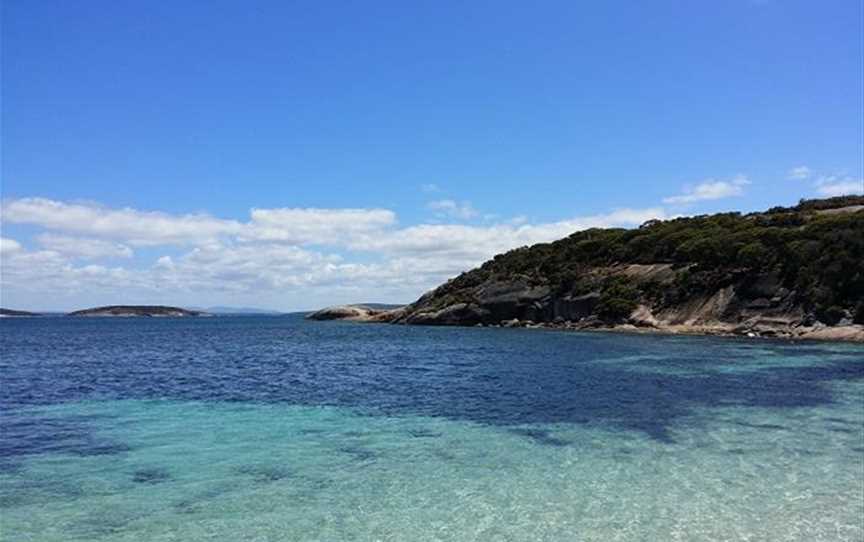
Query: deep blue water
pixel 90 409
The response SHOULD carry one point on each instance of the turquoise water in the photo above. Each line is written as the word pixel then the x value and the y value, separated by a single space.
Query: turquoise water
pixel 269 428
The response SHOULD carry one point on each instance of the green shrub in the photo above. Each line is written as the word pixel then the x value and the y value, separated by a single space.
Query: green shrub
pixel 617 299
pixel 753 255
pixel 615 309
pixel 859 313
pixel 830 315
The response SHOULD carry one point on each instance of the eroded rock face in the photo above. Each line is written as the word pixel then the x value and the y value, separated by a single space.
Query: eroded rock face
pixel 460 314
pixel 575 308
pixel 508 300
pixel 754 309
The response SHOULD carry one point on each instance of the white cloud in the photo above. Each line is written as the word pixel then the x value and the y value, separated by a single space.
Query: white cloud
pixel 49 272
pixel 477 243
pixel 799 173
pixel 834 185
pixel 164 262
pixel 430 188
pixel 453 209
pixel 315 226
pixel 710 189
pixel 9 246
pixel 148 228
pixel 83 247
pixel 268 260
pixel 267 267
pixel 134 227
pixel 829 185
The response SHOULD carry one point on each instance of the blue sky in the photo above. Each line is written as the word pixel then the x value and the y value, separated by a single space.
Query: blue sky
pixel 385 146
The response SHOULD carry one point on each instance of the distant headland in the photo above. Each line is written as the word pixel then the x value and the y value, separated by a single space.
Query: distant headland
pixel 793 272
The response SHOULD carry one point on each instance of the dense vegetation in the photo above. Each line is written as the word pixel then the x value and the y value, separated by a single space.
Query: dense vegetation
pixel 810 251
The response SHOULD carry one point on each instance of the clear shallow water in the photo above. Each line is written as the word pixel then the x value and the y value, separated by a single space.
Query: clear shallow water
pixel 273 428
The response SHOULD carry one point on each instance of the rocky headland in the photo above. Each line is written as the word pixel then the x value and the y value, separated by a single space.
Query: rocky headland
pixel 137 311
pixel 357 313
pixel 794 272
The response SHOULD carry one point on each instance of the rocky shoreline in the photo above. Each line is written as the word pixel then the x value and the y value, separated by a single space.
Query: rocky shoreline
pixel 754 328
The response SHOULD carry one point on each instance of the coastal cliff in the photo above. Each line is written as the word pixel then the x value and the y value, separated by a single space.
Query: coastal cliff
pixel 137 310
pixel 786 272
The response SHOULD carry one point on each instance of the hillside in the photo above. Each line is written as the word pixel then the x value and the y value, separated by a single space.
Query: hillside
pixel 784 272
pixel 137 310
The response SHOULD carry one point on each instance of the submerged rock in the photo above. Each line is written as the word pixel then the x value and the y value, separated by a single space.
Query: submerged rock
pixel 151 475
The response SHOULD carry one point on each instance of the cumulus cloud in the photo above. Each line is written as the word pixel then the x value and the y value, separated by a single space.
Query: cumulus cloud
pixel 134 227
pixel 9 246
pixel 283 256
pixel 710 189
pixel 835 185
pixel 80 247
pixel 50 272
pixel 316 226
pixel 799 173
pixel 234 267
pixel 430 188
pixel 829 185
pixel 477 243
pixel 453 209
pixel 150 228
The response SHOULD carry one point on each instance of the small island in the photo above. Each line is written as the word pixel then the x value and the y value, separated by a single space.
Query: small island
pixel 8 313
pixel 137 310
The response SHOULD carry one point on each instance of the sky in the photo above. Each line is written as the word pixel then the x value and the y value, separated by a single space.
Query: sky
pixel 291 154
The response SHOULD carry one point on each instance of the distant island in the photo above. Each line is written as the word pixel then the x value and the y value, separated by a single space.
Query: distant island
pixel 235 310
pixel 137 310
pixel 11 313
pixel 795 272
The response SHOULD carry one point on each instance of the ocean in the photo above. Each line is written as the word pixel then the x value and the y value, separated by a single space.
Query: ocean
pixel 266 428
